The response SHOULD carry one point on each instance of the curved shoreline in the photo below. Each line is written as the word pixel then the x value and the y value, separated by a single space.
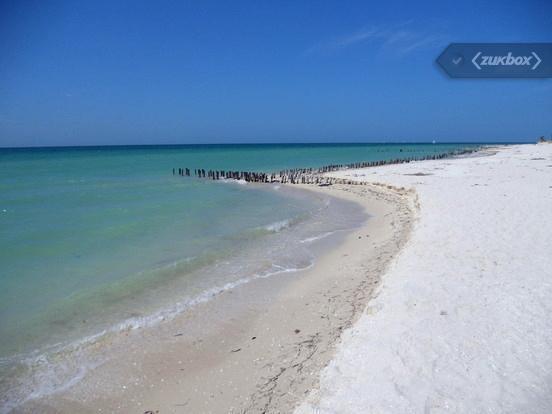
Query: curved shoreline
pixel 295 321
pixel 461 322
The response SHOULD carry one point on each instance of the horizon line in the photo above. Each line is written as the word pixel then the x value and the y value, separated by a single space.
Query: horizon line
pixel 264 143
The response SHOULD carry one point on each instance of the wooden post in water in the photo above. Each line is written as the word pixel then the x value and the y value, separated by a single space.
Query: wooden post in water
pixel 310 175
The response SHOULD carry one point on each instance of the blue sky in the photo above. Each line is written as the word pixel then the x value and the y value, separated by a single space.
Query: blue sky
pixel 84 73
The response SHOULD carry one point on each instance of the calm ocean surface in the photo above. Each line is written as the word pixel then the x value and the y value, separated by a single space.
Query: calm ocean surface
pixel 97 238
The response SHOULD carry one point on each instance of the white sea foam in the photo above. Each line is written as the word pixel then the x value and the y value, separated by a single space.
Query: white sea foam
pixel 279 225
pixel 233 181
pixel 318 237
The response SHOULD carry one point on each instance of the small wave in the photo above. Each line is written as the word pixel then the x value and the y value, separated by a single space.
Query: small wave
pixel 171 264
pixel 314 238
pixel 143 322
pixel 232 181
pixel 62 366
pixel 278 225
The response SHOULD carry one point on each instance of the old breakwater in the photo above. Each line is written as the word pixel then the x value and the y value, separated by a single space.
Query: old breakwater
pixel 313 176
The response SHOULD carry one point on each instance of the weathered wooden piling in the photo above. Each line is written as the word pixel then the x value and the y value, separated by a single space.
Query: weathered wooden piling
pixel 310 175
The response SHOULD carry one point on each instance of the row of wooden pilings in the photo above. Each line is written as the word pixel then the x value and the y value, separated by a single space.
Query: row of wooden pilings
pixel 306 175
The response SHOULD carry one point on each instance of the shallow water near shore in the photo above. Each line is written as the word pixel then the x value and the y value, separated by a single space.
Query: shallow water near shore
pixel 101 240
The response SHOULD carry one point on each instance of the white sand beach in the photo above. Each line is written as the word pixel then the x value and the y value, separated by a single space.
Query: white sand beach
pixel 461 322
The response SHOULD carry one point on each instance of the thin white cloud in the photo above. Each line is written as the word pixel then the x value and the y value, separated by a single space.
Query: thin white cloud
pixel 359 36
pixel 341 42
pixel 410 41
pixel 397 39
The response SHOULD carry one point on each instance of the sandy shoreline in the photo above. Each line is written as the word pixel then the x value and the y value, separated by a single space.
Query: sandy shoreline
pixel 256 348
pixel 461 321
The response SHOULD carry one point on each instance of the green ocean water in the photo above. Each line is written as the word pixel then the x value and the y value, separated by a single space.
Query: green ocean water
pixel 93 237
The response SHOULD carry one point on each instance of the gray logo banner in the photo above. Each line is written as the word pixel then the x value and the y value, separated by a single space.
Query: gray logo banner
pixel 497 60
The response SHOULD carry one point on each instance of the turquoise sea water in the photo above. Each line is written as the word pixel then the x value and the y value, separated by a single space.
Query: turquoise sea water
pixel 95 237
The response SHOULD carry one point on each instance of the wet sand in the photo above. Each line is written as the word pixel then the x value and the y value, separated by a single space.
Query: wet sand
pixel 259 347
